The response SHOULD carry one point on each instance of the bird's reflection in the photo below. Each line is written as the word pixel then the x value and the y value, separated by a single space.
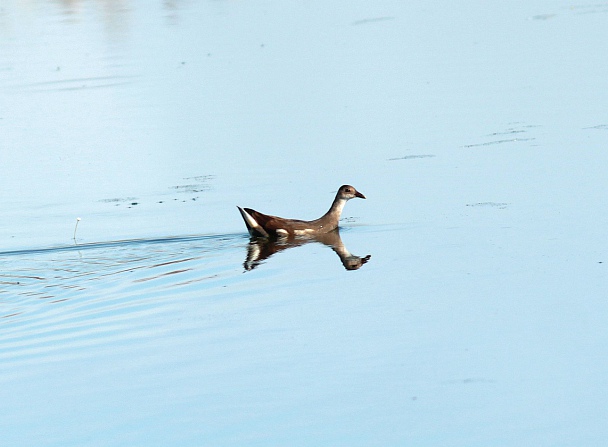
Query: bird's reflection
pixel 260 249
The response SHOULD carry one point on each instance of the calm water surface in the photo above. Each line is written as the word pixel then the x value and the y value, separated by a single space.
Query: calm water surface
pixel 477 132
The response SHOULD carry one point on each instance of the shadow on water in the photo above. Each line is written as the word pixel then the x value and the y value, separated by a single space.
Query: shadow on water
pixel 260 249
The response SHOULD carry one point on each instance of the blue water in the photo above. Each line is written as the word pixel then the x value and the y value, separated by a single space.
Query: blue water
pixel 477 132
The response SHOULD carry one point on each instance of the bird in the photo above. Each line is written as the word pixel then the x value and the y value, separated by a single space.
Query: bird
pixel 264 225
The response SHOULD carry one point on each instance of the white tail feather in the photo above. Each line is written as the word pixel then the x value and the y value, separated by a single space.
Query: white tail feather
pixel 252 225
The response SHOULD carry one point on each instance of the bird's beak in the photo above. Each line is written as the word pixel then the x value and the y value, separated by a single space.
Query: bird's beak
pixel 358 194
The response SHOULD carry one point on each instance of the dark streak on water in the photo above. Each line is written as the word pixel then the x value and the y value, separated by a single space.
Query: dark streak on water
pixel 79 83
pixel 372 20
pixel 598 127
pixel 499 205
pixel 121 243
pixel 412 157
pixel 491 143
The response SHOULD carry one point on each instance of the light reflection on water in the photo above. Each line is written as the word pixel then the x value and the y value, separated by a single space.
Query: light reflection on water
pixel 116 16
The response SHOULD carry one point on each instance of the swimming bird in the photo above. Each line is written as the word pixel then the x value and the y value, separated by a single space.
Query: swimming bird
pixel 263 225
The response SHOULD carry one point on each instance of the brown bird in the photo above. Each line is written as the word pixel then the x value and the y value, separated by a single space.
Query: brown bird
pixel 264 225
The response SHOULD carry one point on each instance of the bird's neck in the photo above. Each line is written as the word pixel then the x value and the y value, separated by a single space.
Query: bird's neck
pixel 335 211
pixel 337 206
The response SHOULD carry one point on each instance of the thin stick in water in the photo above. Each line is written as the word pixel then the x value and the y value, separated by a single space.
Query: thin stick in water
pixel 76 227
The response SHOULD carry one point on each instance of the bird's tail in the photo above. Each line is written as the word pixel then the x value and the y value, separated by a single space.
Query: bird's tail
pixel 252 225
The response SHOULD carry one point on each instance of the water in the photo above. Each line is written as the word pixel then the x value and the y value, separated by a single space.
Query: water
pixel 477 132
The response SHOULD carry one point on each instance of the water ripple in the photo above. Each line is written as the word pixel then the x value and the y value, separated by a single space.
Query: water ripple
pixel 60 302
